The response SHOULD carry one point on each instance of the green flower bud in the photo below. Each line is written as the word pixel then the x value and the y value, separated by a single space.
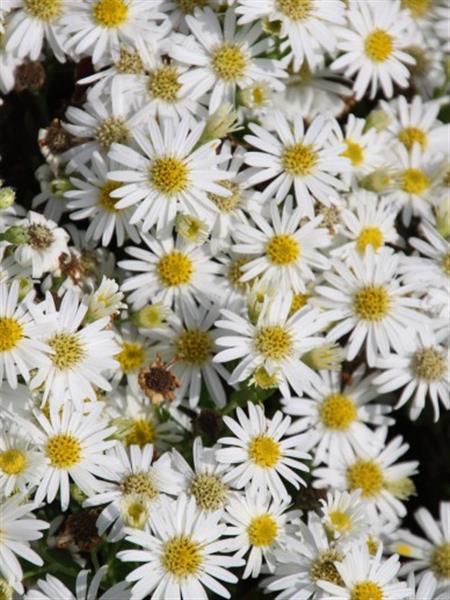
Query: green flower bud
pixel 7 197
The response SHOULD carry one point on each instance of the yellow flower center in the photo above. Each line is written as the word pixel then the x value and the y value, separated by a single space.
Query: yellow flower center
pixel 175 268
pixel 295 10
pixel 283 249
pixel 63 451
pixel 340 520
pixel 372 546
pixel 299 160
pixel 40 237
pixel 378 46
pixel 105 200
pixel 163 83
pixel 366 590
pixel 429 364
pixel 440 561
pixel 235 273
pixel 298 302
pixel 367 476
pixel 414 181
pixel 228 204
pixel 194 346
pixel 209 491
pixel 181 557
pixel 262 530
pixel 403 549
pixel 141 432
pixel 139 483
pixel 323 567
pixel 131 357
pixel 264 451
pixel 45 10
pixel 110 13
pixel 371 303
pixel 417 8
pixel 273 342
pixel 68 350
pixel 445 264
pixel 228 62
pixel 354 152
pixel 412 135
pixel 112 129
pixel 338 412
pixel 12 461
pixel 11 332
pixel 264 380
pixel 369 236
pixel 169 175
pixel 130 62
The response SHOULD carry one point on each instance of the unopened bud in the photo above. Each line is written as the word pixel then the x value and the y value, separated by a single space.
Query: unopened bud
pixel 327 357
pixel 151 316
pixel 7 197
pixel 255 95
pixel 16 234
pixel 58 187
pixel 442 214
pixel 377 181
pixel 378 119
pixel 218 125
pixel 191 229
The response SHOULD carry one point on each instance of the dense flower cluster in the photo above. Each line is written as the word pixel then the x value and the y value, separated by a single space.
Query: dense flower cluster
pixel 236 273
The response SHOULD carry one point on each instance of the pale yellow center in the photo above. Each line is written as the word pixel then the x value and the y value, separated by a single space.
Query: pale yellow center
pixel 273 342
pixel 130 62
pixel 429 364
pixel 105 200
pixel 194 346
pixel 295 10
pixel 417 8
pixel 110 13
pixel 141 432
pixel 354 152
pixel 440 561
pixel 163 83
pixel 68 350
pixel 367 476
pixel 45 10
pixel 283 249
pixel 264 451
pixel 299 159
pixel 414 181
pixel 229 203
pixel 228 62
pixel 174 269
pixel 378 46
pixel 412 135
pixel 371 303
pixel 208 490
pixel 169 175
pixel 139 483
pixel 366 590
pixel 13 462
pixel 63 451
pixel 262 530
pixel 340 520
pixel 11 333
pixel 323 567
pixel 182 557
pixel 131 357
pixel 112 130
pixel 337 412
pixel 369 236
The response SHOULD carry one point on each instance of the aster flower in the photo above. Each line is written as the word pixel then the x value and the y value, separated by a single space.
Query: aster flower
pixel 184 555
pixel 21 463
pixel 373 47
pixel 306 161
pixel 344 515
pixel 261 453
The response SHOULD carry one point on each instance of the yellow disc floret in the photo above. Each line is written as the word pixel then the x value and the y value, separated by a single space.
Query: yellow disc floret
pixel 169 175
pixel 11 333
pixel 228 62
pixel 105 200
pixel 227 204
pixel 131 357
pixel 323 567
pixel 208 490
pixel 181 557
pixel 45 10
pixel 295 10
pixel 12 461
pixel 417 8
pixel 366 590
pixel 340 521
pixel 367 476
pixel 68 350
pixel 63 451
pixel 414 181
pixel 283 249
pixel 273 342
pixel 112 129
pixel 412 135
pixel 378 46
pixel 440 561
pixel 110 13
pixel 194 346
pixel 337 412
pixel 299 159
pixel 175 268
pixel 163 83
pixel 140 432
pixel 264 451
pixel 369 236
pixel 262 530
pixel 429 364
pixel 371 303
pixel 139 483
pixel 354 152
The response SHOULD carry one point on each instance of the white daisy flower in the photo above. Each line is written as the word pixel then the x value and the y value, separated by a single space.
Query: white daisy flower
pixel 168 174
pixel 98 28
pixel 51 588
pixel 73 444
pixel 373 46
pixel 423 371
pixel 205 481
pixel 91 199
pixel 309 25
pixel 382 484
pixel 368 221
pixel 364 577
pixel 225 57
pixel 44 243
pixel 307 560
pixel 138 483
pixel 21 464
pixel 344 515
pixel 20 330
pixel 430 554
pixel 134 354
pixel 182 557
pixel 416 122
pixel 257 524
pixel 371 304
pixel 80 354
pixel 19 528
pixel 261 453
pixel 190 339
pixel 306 161
pixel 275 343
pixel 105 300
pixel 32 23
pixel 338 415
pixel 286 251
pixel 171 272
